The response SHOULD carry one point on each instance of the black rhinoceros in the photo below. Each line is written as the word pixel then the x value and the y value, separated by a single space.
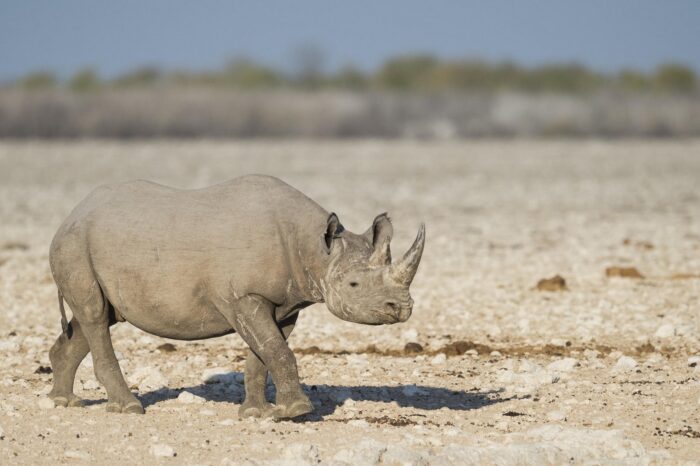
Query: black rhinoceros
pixel 242 256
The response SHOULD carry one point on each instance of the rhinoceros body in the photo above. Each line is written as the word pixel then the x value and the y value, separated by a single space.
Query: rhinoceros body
pixel 166 259
pixel 242 256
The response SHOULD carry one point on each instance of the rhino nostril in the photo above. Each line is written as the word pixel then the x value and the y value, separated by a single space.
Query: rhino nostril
pixel 392 307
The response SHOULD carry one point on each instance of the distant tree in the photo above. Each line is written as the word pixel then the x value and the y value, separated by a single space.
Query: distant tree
pixel 632 80
pixel 407 72
pixel 247 74
pixel 674 77
pixel 467 75
pixel 141 77
pixel 349 77
pixel 84 81
pixel 561 78
pixel 38 80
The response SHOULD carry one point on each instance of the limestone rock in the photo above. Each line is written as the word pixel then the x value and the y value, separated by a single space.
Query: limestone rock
pixel 556 416
pixel 46 403
pixel 76 455
pixel 161 450
pixel 438 359
pixel 563 365
pixel 189 398
pixel 147 378
pixel 214 375
pixel 665 331
pixel 625 364
pixel 301 454
pixel 400 455
pixel 367 451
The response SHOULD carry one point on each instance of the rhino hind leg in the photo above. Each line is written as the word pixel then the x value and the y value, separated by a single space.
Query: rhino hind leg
pixel 95 315
pixel 255 404
pixel 66 355
pixel 108 372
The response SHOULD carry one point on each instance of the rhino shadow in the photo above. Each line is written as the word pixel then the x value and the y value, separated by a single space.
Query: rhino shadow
pixel 327 398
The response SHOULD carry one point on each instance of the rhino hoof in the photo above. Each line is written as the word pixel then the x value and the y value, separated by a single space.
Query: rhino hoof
pixel 71 401
pixel 113 407
pixel 255 410
pixel 131 408
pixel 296 409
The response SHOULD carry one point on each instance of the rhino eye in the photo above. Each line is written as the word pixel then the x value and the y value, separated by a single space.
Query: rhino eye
pixel 354 284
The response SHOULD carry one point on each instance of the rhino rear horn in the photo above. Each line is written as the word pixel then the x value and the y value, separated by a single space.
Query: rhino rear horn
pixel 405 269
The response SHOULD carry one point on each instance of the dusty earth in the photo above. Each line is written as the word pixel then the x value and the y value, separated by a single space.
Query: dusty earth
pixel 491 368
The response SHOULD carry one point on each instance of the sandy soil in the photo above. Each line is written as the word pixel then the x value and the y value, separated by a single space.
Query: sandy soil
pixel 603 371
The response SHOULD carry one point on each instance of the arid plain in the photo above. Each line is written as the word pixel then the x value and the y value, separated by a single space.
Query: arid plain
pixel 490 369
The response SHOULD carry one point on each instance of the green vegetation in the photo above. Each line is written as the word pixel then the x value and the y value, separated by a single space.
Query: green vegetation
pixel 410 73
pixel 676 78
pixel 38 80
pixel 85 81
pixel 141 77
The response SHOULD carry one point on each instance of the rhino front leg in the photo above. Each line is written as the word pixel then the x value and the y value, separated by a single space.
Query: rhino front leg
pixel 253 318
pixel 255 404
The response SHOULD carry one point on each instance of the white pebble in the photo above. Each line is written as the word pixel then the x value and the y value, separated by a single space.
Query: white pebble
pixel 625 363
pixel 302 453
pixel 76 454
pixel 162 451
pixel 46 403
pixel 694 360
pixel 189 398
pixel 207 412
pixel 9 346
pixel 556 416
pixel 218 375
pixel 359 423
pixel 227 422
pixel 665 331
pixel 563 365
pixel 439 359
pixel 2 433
pixel 148 378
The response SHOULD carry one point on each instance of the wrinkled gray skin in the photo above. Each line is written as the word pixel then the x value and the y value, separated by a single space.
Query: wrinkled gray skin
pixel 243 256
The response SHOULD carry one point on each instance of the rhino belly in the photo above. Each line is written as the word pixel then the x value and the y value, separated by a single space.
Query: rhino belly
pixel 180 315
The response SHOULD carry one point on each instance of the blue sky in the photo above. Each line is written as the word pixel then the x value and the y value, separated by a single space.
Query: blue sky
pixel 116 36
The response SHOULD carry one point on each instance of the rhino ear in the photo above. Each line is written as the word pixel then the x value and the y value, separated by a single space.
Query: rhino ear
pixel 333 228
pixel 379 234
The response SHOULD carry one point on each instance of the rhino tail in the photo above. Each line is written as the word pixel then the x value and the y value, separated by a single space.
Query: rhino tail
pixel 65 326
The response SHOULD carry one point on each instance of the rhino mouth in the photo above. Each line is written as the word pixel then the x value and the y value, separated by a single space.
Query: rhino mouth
pixel 386 317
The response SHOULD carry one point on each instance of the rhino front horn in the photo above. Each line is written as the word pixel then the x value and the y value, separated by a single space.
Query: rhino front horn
pixel 405 269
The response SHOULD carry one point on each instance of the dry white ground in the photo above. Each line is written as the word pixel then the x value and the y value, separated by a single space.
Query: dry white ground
pixel 606 372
